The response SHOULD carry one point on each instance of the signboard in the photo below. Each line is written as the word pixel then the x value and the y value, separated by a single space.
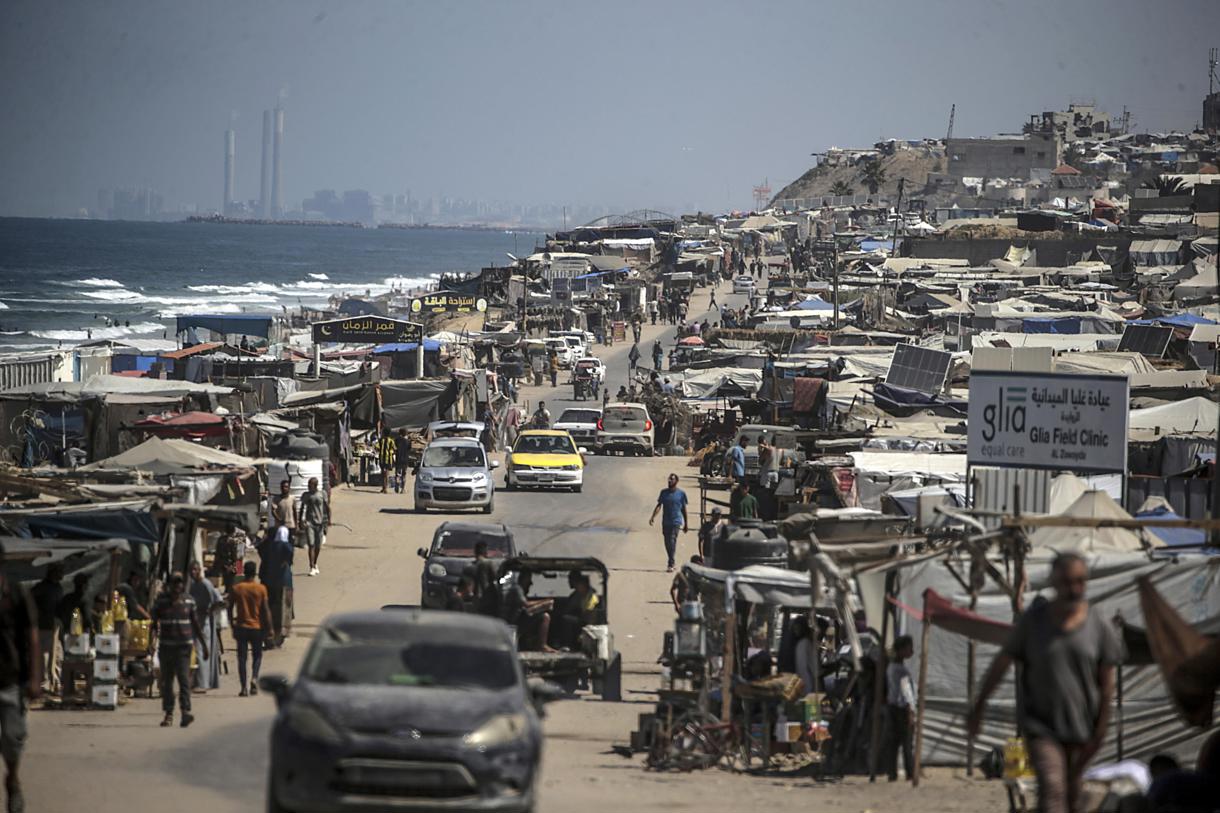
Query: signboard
pixel 619 331
pixel 366 329
pixel 1048 421
pixel 448 303
pixel 567 267
pixel 561 288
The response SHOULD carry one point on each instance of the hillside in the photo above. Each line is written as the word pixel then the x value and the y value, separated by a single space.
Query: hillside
pixel 912 164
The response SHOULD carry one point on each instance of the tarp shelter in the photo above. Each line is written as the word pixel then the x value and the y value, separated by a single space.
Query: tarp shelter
pixel 162 456
pixel 410 405
pixel 759 584
pixel 194 425
pixel 42 552
pixel 242 324
pixel 1190 583
pixel 126 519
pixel 720 382
pixel 1158 508
pixel 1193 416
pixel 1092 504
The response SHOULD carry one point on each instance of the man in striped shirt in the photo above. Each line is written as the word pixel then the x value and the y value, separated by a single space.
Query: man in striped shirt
pixel 176 623
pixel 387 452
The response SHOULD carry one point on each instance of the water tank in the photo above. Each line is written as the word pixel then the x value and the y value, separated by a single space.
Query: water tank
pixel 748 542
pixel 298 474
pixel 298 444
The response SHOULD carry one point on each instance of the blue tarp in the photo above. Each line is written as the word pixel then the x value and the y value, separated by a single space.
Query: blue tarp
pixel 430 345
pixel 1054 324
pixel 816 304
pixel 1173 537
pixel 228 324
pixel 593 274
pixel 873 245
pixel 1176 320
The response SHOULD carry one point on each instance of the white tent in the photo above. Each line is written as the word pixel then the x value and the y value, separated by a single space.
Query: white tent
pixel 1092 505
pixel 708 383
pixel 1193 416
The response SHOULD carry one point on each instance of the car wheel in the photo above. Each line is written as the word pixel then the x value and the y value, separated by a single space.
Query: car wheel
pixel 508 485
pixel 576 489
pixel 612 681
pixel 419 509
pixel 491 504
pixel 273 804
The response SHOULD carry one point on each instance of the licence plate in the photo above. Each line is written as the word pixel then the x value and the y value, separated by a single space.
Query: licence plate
pixel 546 478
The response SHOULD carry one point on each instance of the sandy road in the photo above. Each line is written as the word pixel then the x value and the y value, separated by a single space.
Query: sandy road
pixel 117 762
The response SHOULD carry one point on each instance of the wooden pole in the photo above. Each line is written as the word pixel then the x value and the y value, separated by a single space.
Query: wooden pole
pixel 726 672
pixel 921 702
pixel 874 738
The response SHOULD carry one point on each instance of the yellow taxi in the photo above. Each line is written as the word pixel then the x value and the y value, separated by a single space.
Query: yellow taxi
pixel 544 458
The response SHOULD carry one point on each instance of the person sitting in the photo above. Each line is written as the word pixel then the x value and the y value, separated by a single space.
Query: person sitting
pixel 531 617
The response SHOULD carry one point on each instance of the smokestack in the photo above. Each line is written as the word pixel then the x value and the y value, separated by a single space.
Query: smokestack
pixel 264 197
pixel 230 169
pixel 277 174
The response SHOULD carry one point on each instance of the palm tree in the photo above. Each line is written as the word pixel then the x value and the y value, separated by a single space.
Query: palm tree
pixel 1165 187
pixel 872 175
pixel 841 189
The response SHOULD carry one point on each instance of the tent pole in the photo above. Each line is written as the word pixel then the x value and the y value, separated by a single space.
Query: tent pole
pixel 923 688
pixel 1118 728
pixel 726 672
pixel 874 738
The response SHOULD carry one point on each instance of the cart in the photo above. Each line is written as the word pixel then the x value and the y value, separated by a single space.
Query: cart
pixel 583 386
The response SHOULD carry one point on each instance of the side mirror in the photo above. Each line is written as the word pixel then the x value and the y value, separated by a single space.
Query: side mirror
pixel 543 692
pixel 423 553
pixel 277 686
pixel 583 450
pixel 415 471
pixel 495 464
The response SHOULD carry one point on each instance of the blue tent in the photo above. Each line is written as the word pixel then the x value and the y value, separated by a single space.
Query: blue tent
pixel 1176 320
pixel 430 345
pixel 816 304
pixel 1051 324
pixel 243 324
pixel 1173 537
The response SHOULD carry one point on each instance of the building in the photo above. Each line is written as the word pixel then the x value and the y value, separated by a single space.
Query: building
pixel 1032 155
pixel 264 195
pixel 1211 112
pixel 1077 122
pixel 230 170
pixel 277 166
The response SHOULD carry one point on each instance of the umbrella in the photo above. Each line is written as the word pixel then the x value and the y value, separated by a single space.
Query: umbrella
pixel 691 341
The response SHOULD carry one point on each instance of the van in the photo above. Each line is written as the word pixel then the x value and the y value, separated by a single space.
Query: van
pixel 625 428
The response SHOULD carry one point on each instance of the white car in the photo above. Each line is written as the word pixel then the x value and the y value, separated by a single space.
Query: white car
pixel 580 423
pixel 593 365
pixel 562 349
pixel 743 285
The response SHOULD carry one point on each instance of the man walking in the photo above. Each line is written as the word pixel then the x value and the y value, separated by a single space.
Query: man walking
pixel 672 502
pixel 402 460
pixel 1068 653
pixel 900 709
pixel 553 366
pixel 633 356
pixel 314 521
pixel 387 456
pixel 743 504
pixel 736 459
pixel 275 571
pixel 19 677
pixel 284 510
pixel 658 355
pixel 177 626
pixel 250 620
pixel 47 595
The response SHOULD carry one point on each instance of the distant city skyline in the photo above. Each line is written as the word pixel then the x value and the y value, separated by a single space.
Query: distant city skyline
pixel 512 102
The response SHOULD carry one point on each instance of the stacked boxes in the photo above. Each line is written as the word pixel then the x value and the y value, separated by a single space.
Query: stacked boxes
pixel 106 671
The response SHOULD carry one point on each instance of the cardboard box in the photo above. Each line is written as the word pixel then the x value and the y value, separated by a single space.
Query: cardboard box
pixel 77 644
pixel 106 697
pixel 107 645
pixel 106 670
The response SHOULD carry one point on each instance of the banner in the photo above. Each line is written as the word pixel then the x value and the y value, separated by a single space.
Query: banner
pixel 366 329
pixel 448 303
pixel 1048 421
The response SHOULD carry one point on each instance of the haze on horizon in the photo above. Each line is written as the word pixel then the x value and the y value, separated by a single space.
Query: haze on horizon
pixel 637 103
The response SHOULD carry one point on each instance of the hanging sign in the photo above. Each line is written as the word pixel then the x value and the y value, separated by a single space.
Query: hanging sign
pixel 448 303
pixel 366 329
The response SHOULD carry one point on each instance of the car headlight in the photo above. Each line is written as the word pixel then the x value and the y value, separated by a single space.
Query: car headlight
pixel 437 570
pixel 309 723
pixel 425 477
pixel 479 477
pixel 499 730
pixel 571 467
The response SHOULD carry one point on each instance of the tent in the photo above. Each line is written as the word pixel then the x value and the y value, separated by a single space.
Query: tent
pixel 194 425
pixel 814 303
pixel 719 381
pixel 1092 504
pixel 245 324
pixel 1157 508
pixel 1193 416
pixel 161 456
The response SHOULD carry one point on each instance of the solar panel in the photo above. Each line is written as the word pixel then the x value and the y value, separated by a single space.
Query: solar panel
pixel 918 368
pixel 1150 340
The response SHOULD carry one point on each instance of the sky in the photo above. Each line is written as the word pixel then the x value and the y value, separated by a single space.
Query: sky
pixel 673 103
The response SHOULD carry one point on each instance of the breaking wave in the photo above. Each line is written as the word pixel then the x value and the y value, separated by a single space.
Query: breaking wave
pixel 95 282
pixel 319 276
pixel 84 334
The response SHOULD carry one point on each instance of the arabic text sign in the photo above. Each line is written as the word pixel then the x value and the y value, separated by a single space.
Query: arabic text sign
pixel 448 303
pixel 1048 421
pixel 364 329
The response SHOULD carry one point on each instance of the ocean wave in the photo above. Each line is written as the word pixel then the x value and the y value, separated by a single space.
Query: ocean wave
pixel 95 282
pixel 85 334
pixel 3 307
pixel 248 288
pixel 237 295
pixel 174 313
pixel 318 276
pixel 114 295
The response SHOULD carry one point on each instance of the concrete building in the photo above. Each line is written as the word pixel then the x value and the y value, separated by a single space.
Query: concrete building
pixel 1211 112
pixel 277 166
pixel 1077 122
pixel 1032 155
pixel 264 195
pixel 230 171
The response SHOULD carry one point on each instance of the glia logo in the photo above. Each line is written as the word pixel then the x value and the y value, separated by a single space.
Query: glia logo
pixel 1006 416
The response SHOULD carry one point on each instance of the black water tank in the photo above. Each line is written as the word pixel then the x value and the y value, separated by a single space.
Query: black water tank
pixel 748 542
pixel 298 444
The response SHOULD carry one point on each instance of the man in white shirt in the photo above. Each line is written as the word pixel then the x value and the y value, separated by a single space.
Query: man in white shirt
pixel 900 709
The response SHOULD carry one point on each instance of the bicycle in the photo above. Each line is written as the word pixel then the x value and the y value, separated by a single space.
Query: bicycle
pixel 695 740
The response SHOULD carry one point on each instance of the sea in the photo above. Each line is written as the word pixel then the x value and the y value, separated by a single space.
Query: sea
pixel 64 282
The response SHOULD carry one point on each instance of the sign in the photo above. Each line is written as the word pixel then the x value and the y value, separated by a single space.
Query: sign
pixel 561 267
pixel 448 303
pixel 619 331
pixel 561 288
pixel 365 329
pixel 1048 421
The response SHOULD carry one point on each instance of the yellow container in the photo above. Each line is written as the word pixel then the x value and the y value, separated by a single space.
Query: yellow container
pixel 1016 759
pixel 138 634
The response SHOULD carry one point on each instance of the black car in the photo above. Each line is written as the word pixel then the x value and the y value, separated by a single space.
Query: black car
pixel 452 554
pixel 406 710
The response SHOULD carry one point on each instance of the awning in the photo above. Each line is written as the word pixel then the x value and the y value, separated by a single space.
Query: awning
pixel 245 324
pixel 941 612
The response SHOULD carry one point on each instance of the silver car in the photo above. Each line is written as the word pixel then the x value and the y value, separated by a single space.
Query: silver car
pixel 625 428
pixel 455 473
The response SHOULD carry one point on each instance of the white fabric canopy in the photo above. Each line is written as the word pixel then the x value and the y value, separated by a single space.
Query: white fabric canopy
pixel 1093 505
pixel 1193 416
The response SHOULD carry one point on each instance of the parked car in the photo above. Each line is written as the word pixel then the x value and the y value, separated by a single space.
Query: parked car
pixel 625 428
pixel 544 458
pixel 743 284
pixel 455 473
pixel 452 554
pixel 560 347
pixel 406 709
pixel 584 655
pixel 581 424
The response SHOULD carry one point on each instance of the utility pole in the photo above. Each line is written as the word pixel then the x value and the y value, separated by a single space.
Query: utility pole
pixel 949 132
pixel 1215 534
pixel 835 237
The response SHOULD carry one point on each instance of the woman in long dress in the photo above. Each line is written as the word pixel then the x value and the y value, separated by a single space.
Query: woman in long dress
pixel 208 602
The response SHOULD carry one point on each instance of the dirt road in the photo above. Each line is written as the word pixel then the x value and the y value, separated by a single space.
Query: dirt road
pixel 120 761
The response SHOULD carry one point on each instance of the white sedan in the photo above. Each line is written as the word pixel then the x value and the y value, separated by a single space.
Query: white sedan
pixel 743 285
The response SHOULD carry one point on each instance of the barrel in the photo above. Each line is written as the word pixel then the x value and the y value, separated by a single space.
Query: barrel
pixel 748 542
pixel 298 444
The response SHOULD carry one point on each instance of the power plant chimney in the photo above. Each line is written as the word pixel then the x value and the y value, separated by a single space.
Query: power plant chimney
pixel 264 197
pixel 230 170
pixel 277 173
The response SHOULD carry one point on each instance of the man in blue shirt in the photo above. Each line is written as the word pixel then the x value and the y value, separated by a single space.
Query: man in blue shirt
pixel 275 572
pixel 673 500
pixel 737 460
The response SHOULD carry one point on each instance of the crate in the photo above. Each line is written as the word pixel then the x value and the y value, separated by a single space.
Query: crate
pixel 107 645
pixel 106 696
pixel 106 670
pixel 77 644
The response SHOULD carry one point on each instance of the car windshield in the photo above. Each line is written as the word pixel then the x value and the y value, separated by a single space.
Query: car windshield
pixel 436 457
pixel 461 543
pixel 544 444
pixel 335 658
pixel 579 416
pixel 626 414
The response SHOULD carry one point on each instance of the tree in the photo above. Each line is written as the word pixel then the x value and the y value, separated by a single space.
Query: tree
pixel 1165 187
pixel 841 189
pixel 872 175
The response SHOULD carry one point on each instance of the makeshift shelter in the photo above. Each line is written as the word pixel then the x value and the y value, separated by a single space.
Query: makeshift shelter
pixel 1193 416
pixel 192 425
pixel 162 456
pixel 1092 504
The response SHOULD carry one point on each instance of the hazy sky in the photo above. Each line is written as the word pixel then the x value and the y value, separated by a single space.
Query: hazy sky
pixel 641 103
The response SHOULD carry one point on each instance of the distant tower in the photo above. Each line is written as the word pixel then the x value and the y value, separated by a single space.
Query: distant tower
pixel 277 166
pixel 264 197
pixel 230 170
